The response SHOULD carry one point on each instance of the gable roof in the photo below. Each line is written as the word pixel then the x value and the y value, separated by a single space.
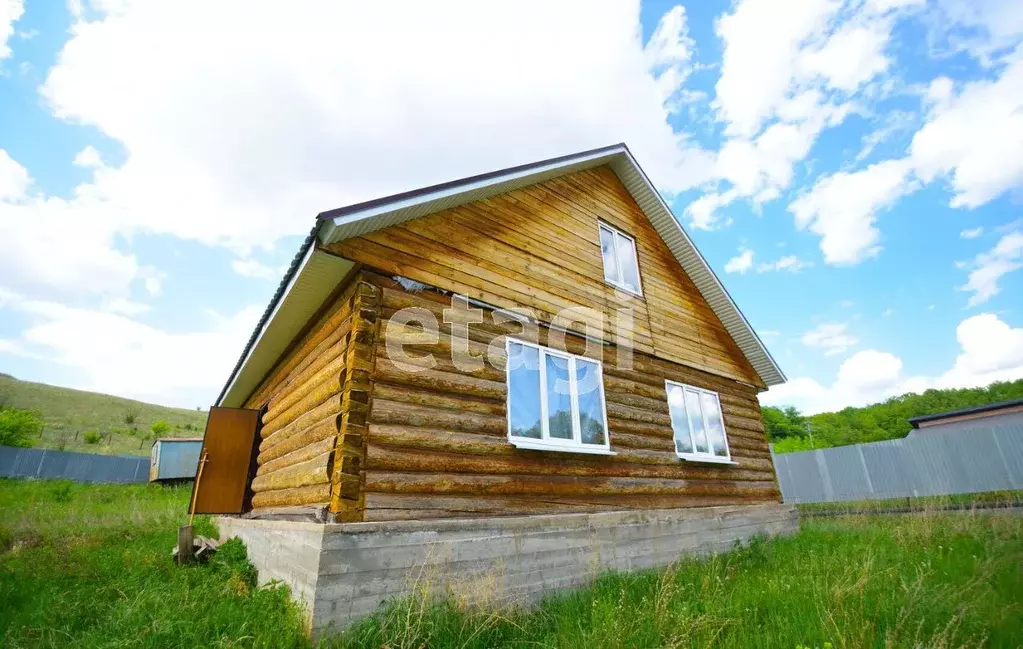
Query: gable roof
pixel 314 273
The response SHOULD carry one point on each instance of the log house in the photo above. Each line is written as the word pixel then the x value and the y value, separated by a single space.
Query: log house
pixel 541 339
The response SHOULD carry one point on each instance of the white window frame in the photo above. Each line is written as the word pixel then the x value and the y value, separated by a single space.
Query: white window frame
pixel 697 456
pixel 546 442
pixel 619 282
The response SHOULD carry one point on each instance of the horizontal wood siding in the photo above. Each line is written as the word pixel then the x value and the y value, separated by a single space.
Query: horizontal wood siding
pixel 302 396
pixel 539 247
pixel 436 442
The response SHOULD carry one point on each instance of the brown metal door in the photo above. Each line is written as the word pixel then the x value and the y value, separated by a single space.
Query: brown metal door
pixel 228 449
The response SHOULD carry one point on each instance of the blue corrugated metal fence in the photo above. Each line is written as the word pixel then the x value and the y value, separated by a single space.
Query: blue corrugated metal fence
pixel 80 467
pixel 937 464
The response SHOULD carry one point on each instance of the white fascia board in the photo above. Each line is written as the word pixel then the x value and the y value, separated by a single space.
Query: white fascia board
pixel 315 278
pixel 769 370
pixel 470 191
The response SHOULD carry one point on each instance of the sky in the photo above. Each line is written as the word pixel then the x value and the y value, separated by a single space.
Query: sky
pixel 852 170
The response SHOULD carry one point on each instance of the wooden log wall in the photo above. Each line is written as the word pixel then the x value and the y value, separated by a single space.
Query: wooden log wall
pixel 539 247
pixel 304 396
pixel 436 444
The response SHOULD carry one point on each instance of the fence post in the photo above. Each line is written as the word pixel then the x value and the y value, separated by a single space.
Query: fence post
pixel 39 469
pixel 822 467
pixel 1009 478
pixel 866 469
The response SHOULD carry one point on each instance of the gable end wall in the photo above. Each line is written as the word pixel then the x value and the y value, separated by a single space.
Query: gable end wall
pixel 538 247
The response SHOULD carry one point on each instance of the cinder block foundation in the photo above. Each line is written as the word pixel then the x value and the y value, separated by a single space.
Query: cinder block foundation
pixel 341 572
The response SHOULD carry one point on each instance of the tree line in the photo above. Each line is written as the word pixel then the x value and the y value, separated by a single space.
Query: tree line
pixel 790 430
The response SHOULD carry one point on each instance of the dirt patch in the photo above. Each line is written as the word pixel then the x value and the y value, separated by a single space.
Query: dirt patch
pixel 13 545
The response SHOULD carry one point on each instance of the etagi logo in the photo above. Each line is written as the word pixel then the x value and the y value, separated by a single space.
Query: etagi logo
pixel 475 337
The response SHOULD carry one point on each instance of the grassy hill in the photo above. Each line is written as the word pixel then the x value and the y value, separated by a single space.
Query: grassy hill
pixel 123 424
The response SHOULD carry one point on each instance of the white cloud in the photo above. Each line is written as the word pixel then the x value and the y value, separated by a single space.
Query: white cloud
pixel 10 12
pixel 12 348
pixel 893 123
pixel 669 54
pixel 14 179
pixel 972 233
pixel 53 246
pixel 792 73
pixel 989 267
pixel 975 138
pixel 791 263
pixel 670 43
pixel 125 307
pixel 831 337
pixel 740 263
pixel 881 6
pixel 842 208
pixel 115 354
pixel 863 378
pixel 257 269
pixel 88 158
pixel 760 168
pixel 1000 21
pixel 244 143
pixel 990 350
pixel 761 48
pixel 766 162
pixel 852 56
pixel 702 213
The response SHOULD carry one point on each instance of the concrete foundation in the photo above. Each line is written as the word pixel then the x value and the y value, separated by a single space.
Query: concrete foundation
pixel 341 572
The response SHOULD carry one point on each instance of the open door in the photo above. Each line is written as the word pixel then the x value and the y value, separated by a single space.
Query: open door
pixel 225 463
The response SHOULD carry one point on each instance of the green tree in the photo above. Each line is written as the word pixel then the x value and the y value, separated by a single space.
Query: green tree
pixel 781 423
pixel 160 428
pixel 889 419
pixel 19 427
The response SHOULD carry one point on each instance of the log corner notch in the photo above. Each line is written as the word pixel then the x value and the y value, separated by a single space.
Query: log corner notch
pixel 347 499
pixel 302 396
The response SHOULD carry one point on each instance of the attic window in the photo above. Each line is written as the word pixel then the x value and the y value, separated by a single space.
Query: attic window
pixel 620 266
pixel 555 401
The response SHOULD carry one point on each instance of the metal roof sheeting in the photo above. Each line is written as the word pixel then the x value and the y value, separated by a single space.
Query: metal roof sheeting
pixel 992 408
pixel 362 218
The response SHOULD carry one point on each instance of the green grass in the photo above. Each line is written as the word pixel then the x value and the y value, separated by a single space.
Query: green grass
pixel 987 499
pixel 887 581
pixel 89 566
pixel 71 414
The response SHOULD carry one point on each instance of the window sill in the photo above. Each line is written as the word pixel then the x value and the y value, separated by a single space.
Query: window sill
pixel 623 288
pixel 708 459
pixel 537 445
